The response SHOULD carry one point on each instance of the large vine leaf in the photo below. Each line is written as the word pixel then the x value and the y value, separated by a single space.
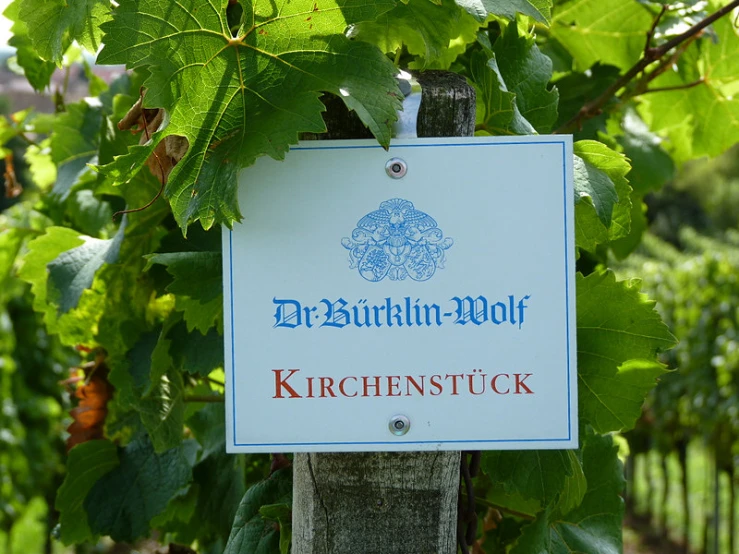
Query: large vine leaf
pixel 87 463
pixel 619 334
pixel 599 173
pixel 426 29
pixel 57 23
pixel 611 32
pixel 527 73
pixel 75 326
pixel 74 144
pixel 37 71
pixel 535 474
pixel 235 98
pixel 511 79
pixel 540 10
pixel 699 120
pixel 253 532
pixel 198 284
pixel 595 524
pixel 72 272
pixel 124 500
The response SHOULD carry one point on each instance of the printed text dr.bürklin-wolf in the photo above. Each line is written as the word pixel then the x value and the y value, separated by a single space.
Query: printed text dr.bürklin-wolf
pixel 406 312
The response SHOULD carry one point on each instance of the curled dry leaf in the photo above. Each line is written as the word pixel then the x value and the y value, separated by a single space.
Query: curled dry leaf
pixel 168 152
pixel 13 188
pixel 89 415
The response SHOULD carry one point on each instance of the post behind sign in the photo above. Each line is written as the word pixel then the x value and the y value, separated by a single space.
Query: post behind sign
pixel 404 502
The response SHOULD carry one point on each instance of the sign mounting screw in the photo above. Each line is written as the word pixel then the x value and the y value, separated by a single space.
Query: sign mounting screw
pixel 396 168
pixel 399 425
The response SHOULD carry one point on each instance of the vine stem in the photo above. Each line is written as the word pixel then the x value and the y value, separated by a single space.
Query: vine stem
pixel 650 55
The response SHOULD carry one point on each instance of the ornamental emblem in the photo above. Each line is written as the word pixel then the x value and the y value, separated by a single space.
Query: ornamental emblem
pixel 396 241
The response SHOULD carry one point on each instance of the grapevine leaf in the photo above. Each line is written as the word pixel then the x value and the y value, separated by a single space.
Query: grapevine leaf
pixel 73 271
pixel 497 110
pixel 89 214
pixel 700 120
pixel 251 534
pixel 540 10
pixel 267 79
pixel 162 411
pixel 56 23
pixel 626 245
pixel 590 229
pixel 425 28
pixel 611 32
pixel 123 501
pixel 198 284
pixel 37 71
pixel 619 333
pixel 282 515
pixel 74 144
pixel 535 474
pixel 527 72
pixel 595 524
pixel 76 326
pixel 194 352
pixel 651 166
pixel 87 463
pixel 592 183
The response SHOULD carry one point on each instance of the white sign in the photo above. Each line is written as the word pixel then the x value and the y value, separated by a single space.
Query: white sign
pixel 434 311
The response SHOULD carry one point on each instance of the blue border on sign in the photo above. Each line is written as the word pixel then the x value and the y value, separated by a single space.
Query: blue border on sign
pixel 563 144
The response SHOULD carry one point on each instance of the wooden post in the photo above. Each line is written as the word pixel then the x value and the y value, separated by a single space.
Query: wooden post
pixel 385 502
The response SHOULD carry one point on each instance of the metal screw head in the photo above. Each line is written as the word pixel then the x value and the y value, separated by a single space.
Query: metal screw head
pixel 396 168
pixel 399 425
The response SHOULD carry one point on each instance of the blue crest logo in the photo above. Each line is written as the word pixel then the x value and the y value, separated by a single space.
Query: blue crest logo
pixel 396 241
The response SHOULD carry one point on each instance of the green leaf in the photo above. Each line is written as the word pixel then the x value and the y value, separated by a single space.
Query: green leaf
pixel 73 271
pixel 268 80
pixel 497 113
pixel 626 245
pixel 651 166
pixel 194 352
pixel 700 120
pixel 89 214
pixel 425 28
pixel 535 474
pixel 76 326
pixel 282 514
pixel 162 411
pixel 611 32
pixel 592 183
pixel 540 10
pixel 527 72
pixel 123 501
pixel 56 23
pixel 590 229
pixel 87 463
pixel 619 334
pixel 251 534
pixel 594 526
pixel 511 82
pixel 74 145
pixel 198 284
pixel 37 71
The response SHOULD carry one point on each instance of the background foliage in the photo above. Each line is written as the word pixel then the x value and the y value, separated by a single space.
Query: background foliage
pixel 132 302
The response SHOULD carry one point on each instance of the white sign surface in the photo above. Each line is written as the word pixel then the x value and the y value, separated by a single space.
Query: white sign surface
pixel 444 299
